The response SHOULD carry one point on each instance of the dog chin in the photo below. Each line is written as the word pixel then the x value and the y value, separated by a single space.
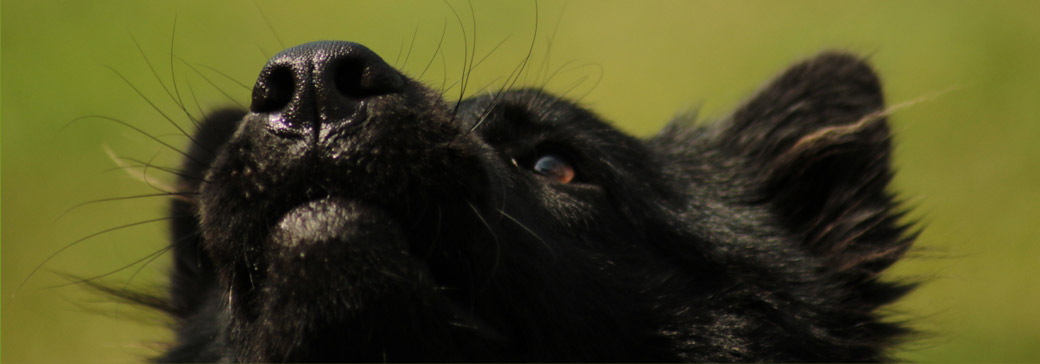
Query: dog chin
pixel 340 246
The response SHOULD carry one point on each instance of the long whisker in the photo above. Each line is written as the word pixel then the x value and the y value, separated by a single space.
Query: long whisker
pixel 123 166
pixel 147 258
pixel 498 245
pixel 514 76
pixel 143 177
pixel 532 232
pixel 80 240
pixel 180 195
pixel 437 50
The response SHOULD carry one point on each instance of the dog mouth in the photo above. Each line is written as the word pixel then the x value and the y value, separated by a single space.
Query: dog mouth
pixel 354 260
pixel 334 242
pixel 344 246
pixel 318 223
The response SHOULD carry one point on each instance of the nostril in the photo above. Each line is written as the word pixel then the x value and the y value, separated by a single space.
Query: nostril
pixel 361 76
pixel 314 85
pixel 274 90
pixel 347 77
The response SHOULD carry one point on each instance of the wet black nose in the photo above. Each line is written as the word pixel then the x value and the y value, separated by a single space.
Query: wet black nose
pixel 321 83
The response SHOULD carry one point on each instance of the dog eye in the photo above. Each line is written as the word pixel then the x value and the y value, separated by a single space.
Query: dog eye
pixel 555 167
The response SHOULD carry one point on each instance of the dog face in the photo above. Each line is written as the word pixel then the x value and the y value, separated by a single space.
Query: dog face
pixel 352 214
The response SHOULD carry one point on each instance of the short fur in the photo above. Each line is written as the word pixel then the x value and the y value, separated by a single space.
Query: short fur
pixel 353 215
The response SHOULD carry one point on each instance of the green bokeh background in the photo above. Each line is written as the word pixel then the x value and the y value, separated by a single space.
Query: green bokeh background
pixel 967 153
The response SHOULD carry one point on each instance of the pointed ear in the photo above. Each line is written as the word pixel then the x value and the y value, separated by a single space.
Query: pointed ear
pixel 818 144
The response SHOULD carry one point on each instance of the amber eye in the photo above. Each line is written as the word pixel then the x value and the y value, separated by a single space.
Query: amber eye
pixel 554 167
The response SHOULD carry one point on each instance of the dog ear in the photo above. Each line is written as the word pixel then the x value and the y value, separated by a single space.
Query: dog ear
pixel 820 147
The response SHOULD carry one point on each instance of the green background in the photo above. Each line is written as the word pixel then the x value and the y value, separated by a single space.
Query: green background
pixel 967 153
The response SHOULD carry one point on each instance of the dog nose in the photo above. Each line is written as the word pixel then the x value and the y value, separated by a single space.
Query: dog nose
pixel 321 83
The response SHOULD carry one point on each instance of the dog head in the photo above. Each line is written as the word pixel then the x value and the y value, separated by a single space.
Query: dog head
pixel 352 214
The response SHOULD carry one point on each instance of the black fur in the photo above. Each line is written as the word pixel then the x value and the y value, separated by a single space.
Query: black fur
pixel 354 215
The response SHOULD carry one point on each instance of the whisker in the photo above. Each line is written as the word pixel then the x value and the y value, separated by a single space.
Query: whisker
pixel 513 77
pixel 148 62
pixel 465 60
pixel 549 45
pixel 440 42
pixel 498 245
pixel 142 178
pixel 411 46
pixel 195 121
pixel 138 130
pixel 80 240
pixel 140 164
pixel 270 26
pixel 173 74
pixel 159 110
pixel 181 195
pixel 492 51
pixel 225 75
pixel 400 50
pixel 215 87
pixel 532 232
pixel 148 261
pixel 147 258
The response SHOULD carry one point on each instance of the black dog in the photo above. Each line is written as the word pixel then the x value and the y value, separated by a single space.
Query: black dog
pixel 354 215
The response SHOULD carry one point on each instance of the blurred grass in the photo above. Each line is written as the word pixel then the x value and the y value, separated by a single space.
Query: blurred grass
pixel 967 159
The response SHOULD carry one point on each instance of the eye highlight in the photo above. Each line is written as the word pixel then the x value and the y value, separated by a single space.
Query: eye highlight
pixel 555 167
